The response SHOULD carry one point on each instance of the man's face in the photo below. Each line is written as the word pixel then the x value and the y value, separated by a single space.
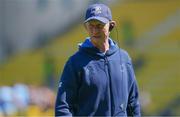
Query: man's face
pixel 97 30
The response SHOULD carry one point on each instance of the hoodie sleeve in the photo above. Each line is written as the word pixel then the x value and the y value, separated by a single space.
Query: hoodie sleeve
pixel 133 107
pixel 67 91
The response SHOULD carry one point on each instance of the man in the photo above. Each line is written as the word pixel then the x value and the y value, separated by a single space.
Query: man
pixel 99 79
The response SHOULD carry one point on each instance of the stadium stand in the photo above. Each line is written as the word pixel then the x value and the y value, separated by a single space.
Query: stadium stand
pixel 158 76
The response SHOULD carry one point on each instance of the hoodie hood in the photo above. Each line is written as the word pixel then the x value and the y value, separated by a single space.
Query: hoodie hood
pixel 89 48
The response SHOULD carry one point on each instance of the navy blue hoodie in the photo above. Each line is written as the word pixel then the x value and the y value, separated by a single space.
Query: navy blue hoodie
pixel 98 84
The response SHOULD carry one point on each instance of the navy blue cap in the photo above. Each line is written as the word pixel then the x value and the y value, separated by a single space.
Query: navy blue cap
pixel 99 12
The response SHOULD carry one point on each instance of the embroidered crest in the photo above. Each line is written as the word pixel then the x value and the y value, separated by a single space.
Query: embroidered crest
pixel 96 10
pixel 60 84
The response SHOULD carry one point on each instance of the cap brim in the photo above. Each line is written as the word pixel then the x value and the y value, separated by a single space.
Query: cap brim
pixel 101 19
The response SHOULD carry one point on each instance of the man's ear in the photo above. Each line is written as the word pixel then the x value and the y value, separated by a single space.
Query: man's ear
pixel 85 26
pixel 112 24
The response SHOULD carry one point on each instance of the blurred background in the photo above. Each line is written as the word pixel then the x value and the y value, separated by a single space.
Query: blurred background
pixel 38 36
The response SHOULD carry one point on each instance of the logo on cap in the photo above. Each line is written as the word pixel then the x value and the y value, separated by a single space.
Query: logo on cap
pixel 99 12
pixel 96 10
